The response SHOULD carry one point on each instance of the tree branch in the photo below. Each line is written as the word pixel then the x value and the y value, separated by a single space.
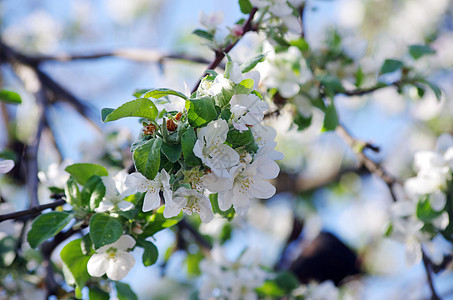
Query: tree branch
pixel 220 54
pixel 427 264
pixel 32 212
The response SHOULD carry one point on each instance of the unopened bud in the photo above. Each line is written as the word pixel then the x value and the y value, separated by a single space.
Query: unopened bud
pixel 137 229
pixel 237 30
pixel 171 126
pixel 149 129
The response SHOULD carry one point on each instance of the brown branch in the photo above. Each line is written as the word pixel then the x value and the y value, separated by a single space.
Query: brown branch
pixel 201 241
pixel 364 91
pixel 365 161
pixel 427 264
pixel 32 212
pixel 220 54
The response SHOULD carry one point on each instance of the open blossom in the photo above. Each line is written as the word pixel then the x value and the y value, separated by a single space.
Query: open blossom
pixel 137 182
pixel 115 191
pixel 189 201
pixel 247 110
pixel 113 260
pixel 279 8
pixel 6 166
pixel 211 149
pixel 211 20
pixel 55 175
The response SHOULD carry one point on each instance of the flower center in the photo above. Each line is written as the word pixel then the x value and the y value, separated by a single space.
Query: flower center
pixel 111 253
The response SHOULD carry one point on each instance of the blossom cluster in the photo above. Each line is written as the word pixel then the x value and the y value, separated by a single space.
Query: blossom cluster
pixel 420 218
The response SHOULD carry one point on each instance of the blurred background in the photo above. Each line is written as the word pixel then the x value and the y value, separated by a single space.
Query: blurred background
pixel 320 185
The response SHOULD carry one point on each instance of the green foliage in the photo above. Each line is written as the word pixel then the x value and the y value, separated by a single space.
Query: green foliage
pixel 223 98
pixel 282 284
pixel 330 84
pixel 391 65
pixel 188 140
pixel 147 157
pixel 251 63
pixel 229 213
pixel 157 222
pixel 244 87
pixel 72 192
pixel 172 152
pixel 124 291
pixel 159 93
pixel 10 97
pixel 417 51
pixel 150 252
pixel 330 118
pixel 95 293
pixel 7 251
pixel 301 121
pixel 76 264
pixel 246 6
pixel 86 244
pixel 242 139
pixel 200 111
pixel 82 172
pixel 104 230
pixel 142 108
pixel 92 192
pixel 193 263
pixel 203 34
pixel 46 226
pixel 425 212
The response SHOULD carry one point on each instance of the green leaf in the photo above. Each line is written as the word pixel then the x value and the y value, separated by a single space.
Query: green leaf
pixel 251 63
pixel 417 51
pixel 244 87
pixel 8 247
pixel 331 84
pixel 200 111
pixel 83 172
pixel 203 34
pixel 72 192
pixel 302 122
pixel 139 92
pixel 46 226
pixel 159 93
pixel 172 152
pixel 142 108
pixel 242 139
pixel 300 43
pixel 158 222
pixel 436 90
pixel 150 254
pixel 86 245
pixel 223 98
pixel 104 230
pixel 229 213
pixel 330 118
pixel 188 140
pixel 10 97
pixel 92 192
pixel 391 65
pixel 124 291
pixel 193 263
pixel 147 158
pixel 359 77
pixel 76 262
pixel 425 212
pixel 95 293
pixel 246 6
pixel 282 284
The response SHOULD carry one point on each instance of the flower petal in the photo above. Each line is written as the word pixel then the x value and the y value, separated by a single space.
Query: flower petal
pixel 152 200
pixel 262 189
pixel 125 205
pixel 124 242
pixel 6 166
pixel 97 265
pixel 119 267
pixel 137 182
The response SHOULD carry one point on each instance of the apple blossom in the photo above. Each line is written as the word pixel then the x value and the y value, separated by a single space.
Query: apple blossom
pixel 211 20
pixel 247 110
pixel 6 166
pixel 115 191
pixel 189 201
pixel 113 259
pixel 137 182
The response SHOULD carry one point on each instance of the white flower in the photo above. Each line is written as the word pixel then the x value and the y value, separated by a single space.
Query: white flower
pixel 279 8
pixel 248 181
pixel 137 182
pixel 6 166
pixel 211 149
pixel 113 259
pixel 115 191
pixel 247 110
pixel 55 175
pixel 211 20
pixel 189 201
pixel 220 36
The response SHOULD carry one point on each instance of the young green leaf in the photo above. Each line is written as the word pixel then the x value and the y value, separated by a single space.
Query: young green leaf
pixel 76 262
pixel 246 6
pixel 172 152
pixel 93 191
pixel 150 254
pixel 142 108
pixel 159 93
pixel 46 226
pixel 417 51
pixel 158 222
pixel 251 63
pixel 203 34
pixel 124 291
pixel 8 249
pixel 95 293
pixel 302 122
pixel 147 158
pixel 244 87
pixel 104 230
pixel 72 192
pixel 188 140
pixel 242 139
pixel 201 111
pixel 86 245
pixel 332 85
pixel 391 65
pixel 83 172
pixel 10 97
pixel 330 118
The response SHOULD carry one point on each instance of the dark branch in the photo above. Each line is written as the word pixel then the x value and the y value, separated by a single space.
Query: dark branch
pixel 220 54
pixel 364 91
pixel 204 244
pixel 32 212
pixel 427 264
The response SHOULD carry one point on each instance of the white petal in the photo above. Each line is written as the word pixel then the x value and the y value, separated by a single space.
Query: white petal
pixel 267 169
pixel 175 207
pixel 6 166
pixel 206 214
pixel 288 89
pixel 438 200
pixel 224 200
pixel 125 205
pixel 117 269
pixel 217 184
pixel 105 205
pixel 97 265
pixel 110 187
pixel 137 182
pixel 152 201
pixel 413 252
pixel 425 160
pixel 124 242
pixel 261 189
pixel 441 221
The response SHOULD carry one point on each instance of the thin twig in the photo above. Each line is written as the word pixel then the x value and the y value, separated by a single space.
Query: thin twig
pixel 204 244
pixel 426 263
pixel 220 54
pixel 29 213
pixel 364 91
